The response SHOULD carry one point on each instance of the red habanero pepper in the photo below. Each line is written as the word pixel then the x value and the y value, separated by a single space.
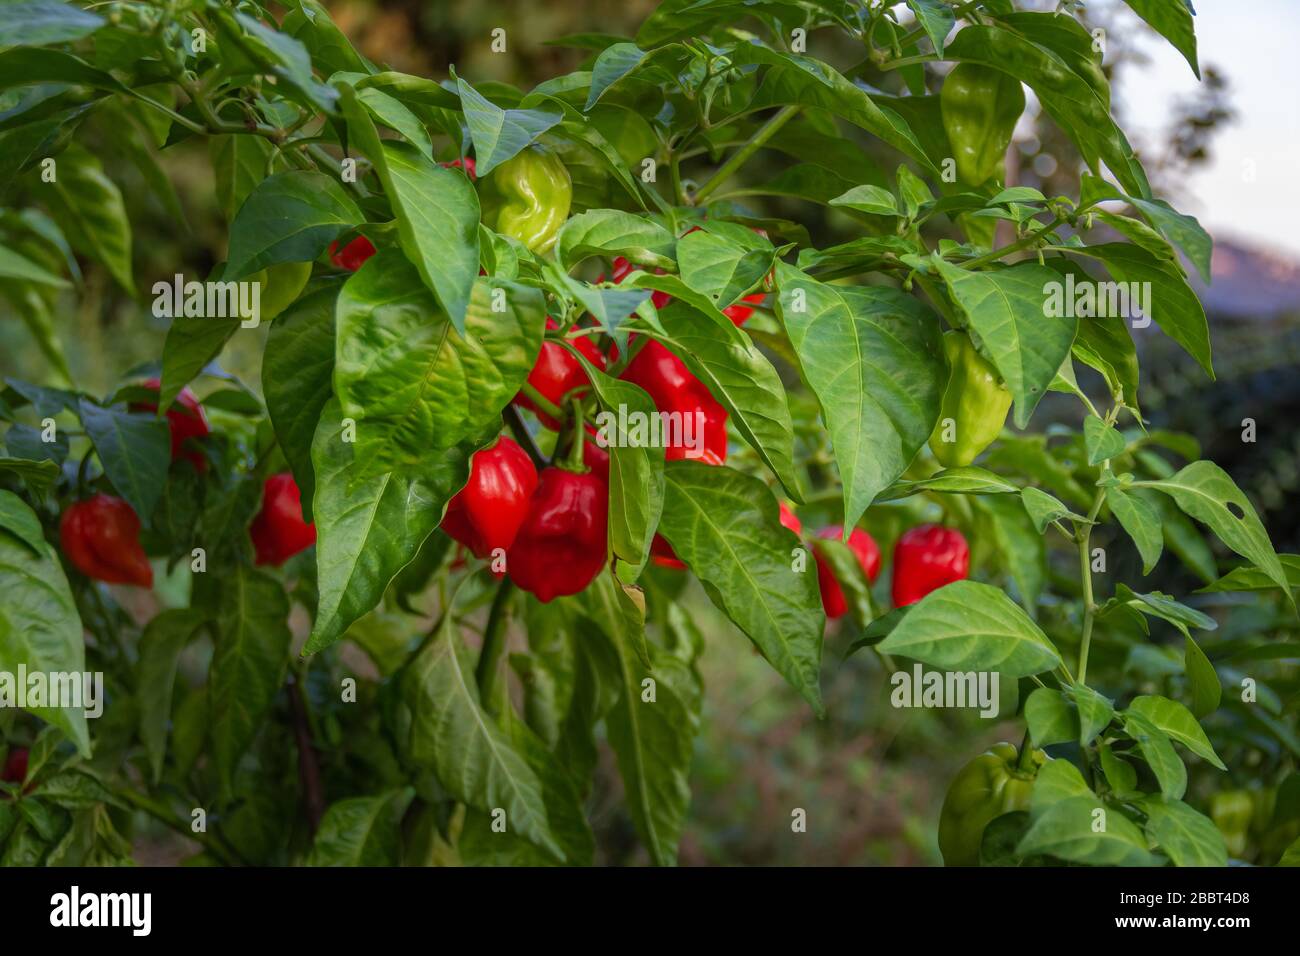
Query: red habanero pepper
pixel 278 531
pixel 790 519
pixel 867 552
pixel 101 537
pixel 185 419
pixel 564 541
pixel 665 378
pixel 926 558
pixel 466 164
pixel 487 512
pixel 353 255
pixel 15 770
pixel 556 373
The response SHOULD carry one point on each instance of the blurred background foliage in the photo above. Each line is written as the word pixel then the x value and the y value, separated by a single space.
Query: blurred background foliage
pixel 870 777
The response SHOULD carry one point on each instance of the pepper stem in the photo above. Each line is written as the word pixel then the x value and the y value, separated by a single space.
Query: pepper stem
pixel 574 461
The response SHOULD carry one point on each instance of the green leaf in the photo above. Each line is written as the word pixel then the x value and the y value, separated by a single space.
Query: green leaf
pixel 22 66
pixel 499 135
pixel 362 831
pixel 1202 679
pixel 297 377
pixel 192 342
pixel 1020 544
pixel 14 266
pixel 936 19
pixel 1159 754
pixel 45 22
pixel 965 480
pixel 1065 830
pixel 436 209
pixel 874 358
pixel 652 738
pixel 239 163
pixel 636 471
pixel 18 519
pixel 1247 578
pixel 1102 440
pixel 161 644
pixel 1043 508
pixel 1190 838
pixel 615 62
pixel 1176 721
pixel 286 58
pixel 1140 522
pixel 1006 310
pixel 869 199
pixel 135 450
pixel 1173 304
pixel 1095 711
pixel 1050 717
pixel 39 475
pixel 740 377
pixel 249 658
pixel 720 268
pixel 610 232
pixel 1120 774
pixel 970 626
pixel 369 527
pixel 444 727
pixel 290 217
pixel 725 526
pixel 1172 19
pixel 414 385
pixel 39 626
pixel 309 22
pixel 89 208
pixel 1205 492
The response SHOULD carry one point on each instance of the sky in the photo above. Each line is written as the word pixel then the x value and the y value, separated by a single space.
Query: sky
pixel 1250 190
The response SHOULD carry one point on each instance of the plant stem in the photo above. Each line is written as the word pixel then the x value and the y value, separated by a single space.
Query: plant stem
pixel 1022 243
pixel 488 672
pixel 313 794
pixel 524 436
pixel 1084 538
pixel 541 401
pixel 163 814
pixel 741 156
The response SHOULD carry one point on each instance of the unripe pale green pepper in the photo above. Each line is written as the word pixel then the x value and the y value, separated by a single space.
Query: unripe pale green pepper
pixel 989 786
pixel 527 197
pixel 980 106
pixel 975 404
pixel 1231 811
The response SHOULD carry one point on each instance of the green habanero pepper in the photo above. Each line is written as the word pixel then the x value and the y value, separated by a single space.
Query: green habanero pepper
pixel 980 106
pixel 527 197
pixel 975 404
pixel 989 786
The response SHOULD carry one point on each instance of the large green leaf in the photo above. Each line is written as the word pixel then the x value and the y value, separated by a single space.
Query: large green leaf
pixel 249 659
pixel 1204 491
pixel 1190 838
pixel 1065 829
pixel 1172 19
pixel 362 831
pixel 297 377
pixel 499 134
pixel 443 726
pixel 413 383
pixel 160 648
pixel 1005 308
pixel 89 208
pixel 135 450
pixel 436 209
pixel 45 22
pixel 652 738
pixel 1178 723
pixel 369 527
pixel 290 217
pixel 971 626
pixel 725 526
pixel 874 358
pixel 39 627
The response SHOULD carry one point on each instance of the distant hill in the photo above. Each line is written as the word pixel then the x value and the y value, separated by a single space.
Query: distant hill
pixel 1249 282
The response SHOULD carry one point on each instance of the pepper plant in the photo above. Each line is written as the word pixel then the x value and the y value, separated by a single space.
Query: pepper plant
pixel 391 603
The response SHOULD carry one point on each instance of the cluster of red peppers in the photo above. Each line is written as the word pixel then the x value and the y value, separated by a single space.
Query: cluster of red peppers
pixel 100 535
pixel 925 558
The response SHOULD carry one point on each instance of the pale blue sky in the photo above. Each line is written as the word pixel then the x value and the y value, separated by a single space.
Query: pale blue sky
pixel 1256 44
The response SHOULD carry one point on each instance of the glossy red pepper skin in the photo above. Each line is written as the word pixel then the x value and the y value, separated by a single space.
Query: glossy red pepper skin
pixel 790 519
pixel 278 531
pixel 487 512
pixel 101 537
pixel 15 769
pixel 620 269
pixel 556 373
pixel 466 164
pixel 185 419
pixel 866 550
pixel 352 256
pixel 564 542
pixel 928 557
